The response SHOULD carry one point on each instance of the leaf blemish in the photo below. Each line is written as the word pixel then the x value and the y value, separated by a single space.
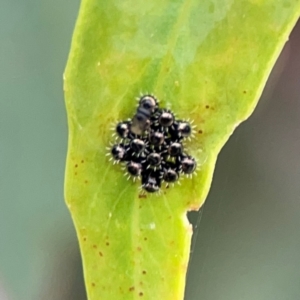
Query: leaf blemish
pixel 152 226
pixel 131 289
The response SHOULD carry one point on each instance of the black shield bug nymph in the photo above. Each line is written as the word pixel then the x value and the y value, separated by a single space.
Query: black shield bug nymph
pixel 184 129
pixel 156 138
pixel 188 165
pixel 118 152
pixel 154 159
pixel 141 120
pixel 122 129
pixel 170 176
pixel 166 119
pixel 134 169
pixel 151 184
pixel 175 149
pixel 148 103
pixel 137 146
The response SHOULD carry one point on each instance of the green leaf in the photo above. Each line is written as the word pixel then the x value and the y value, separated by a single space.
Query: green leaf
pixel 209 61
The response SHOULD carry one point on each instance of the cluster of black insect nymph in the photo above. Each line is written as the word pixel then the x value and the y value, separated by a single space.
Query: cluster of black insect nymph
pixel 150 145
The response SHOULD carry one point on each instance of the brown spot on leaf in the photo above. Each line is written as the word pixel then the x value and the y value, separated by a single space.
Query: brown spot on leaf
pixel 131 289
pixel 107 243
pixel 144 272
pixel 139 249
pixel 192 206
pixel 94 246
pixel 207 106
pixel 93 284
pixel 200 131
pixel 82 161
pixel 184 267
pixel 141 294
pixel 100 253
pixel 145 239
pixel 76 166
pixel 142 196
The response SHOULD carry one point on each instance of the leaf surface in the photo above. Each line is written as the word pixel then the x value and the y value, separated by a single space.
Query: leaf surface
pixel 208 60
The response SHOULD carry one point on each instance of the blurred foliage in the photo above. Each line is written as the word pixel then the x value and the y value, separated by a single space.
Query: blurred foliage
pixel 34 223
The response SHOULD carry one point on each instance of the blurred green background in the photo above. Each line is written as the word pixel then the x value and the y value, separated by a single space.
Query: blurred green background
pixel 247 243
